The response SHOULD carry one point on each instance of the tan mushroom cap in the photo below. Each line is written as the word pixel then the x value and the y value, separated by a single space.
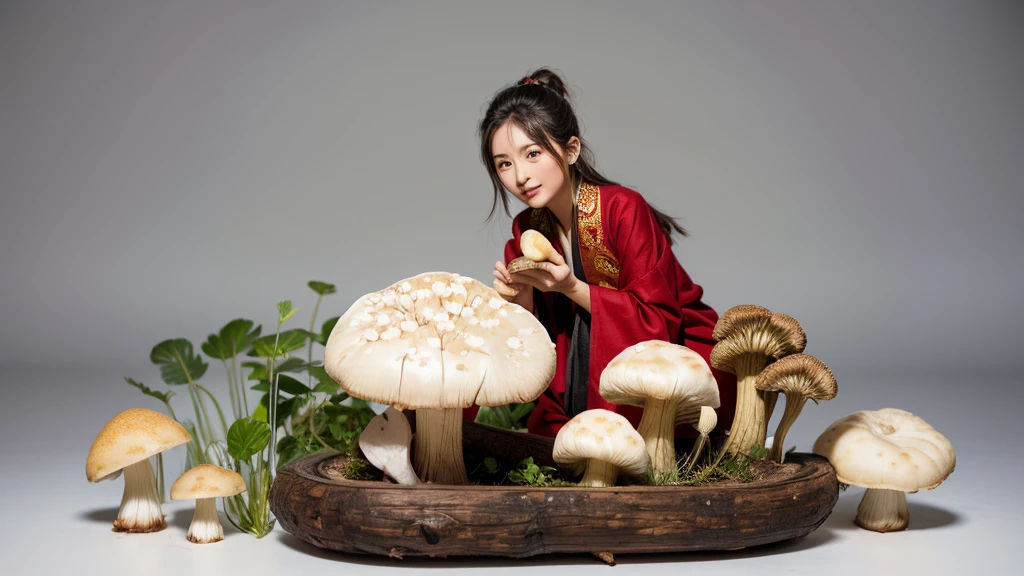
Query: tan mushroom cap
pixel 440 340
pixel 889 449
pixel 799 374
pixel 602 435
pixel 207 481
pixel 130 437
pixel 754 329
pixel 663 371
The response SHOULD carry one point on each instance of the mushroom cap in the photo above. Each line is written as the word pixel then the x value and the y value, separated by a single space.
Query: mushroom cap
pixel 602 435
pixel 800 375
pixel 750 329
pixel 535 246
pixel 207 481
pixel 664 371
pixel 440 340
pixel 708 420
pixel 889 448
pixel 130 437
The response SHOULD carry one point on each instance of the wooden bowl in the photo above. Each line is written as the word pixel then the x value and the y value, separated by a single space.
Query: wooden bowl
pixel 313 501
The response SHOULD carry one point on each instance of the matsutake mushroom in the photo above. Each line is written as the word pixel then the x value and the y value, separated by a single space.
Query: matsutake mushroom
pixel 438 343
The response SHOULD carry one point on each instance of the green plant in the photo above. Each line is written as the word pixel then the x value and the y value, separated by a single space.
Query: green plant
pixel 507 417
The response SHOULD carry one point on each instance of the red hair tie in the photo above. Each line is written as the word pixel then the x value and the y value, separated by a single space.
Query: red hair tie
pixel 529 80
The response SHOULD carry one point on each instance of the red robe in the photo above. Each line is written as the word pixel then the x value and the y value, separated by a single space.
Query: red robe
pixel 638 292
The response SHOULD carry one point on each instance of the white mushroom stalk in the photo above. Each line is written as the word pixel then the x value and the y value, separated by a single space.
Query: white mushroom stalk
pixel 140 504
pixel 708 421
pixel 883 510
pixel 385 443
pixel 124 445
pixel 671 382
pixel 438 343
pixel 205 527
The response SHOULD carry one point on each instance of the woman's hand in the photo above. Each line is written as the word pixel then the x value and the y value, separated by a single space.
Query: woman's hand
pixel 553 276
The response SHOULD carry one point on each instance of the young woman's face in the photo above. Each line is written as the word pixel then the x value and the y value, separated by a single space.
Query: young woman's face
pixel 527 170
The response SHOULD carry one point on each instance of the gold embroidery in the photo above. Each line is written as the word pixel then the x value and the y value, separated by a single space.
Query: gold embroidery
pixel 599 264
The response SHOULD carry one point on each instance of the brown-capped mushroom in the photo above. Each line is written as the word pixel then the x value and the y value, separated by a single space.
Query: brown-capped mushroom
pixel 800 377
pixel 124 444
pixel 438 343
pixel 600 444
pixel 890 452
pixel 204 484
pixel 671 382
pixel 749 337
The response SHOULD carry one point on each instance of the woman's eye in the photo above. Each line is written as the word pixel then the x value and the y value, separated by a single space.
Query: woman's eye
pixel 502 164
pixel 537 152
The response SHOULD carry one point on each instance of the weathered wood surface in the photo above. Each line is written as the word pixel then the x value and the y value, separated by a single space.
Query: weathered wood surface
pixel 313 501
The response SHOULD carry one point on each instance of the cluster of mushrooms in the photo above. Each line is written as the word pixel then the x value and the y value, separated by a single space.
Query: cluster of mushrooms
pixel 126 443
pixel 438 343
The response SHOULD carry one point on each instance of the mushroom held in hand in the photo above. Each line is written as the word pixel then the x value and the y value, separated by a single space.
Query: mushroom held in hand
pixel 602 444
pixel 204 484
pixel 671 382
pixel 438 343
pixel 536 250
pixel 890 452
pixel 385 443
pixel 749 337
pixel 126 443
pixel 800 377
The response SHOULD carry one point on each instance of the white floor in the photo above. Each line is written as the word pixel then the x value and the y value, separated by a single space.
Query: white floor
pixel 55 522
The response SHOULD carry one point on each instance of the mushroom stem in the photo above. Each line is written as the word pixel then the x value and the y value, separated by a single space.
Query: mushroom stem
pixel 437 446
pixel 599 474
pixel 657 428
pixel 698 447
pixel 883 510
pixel 205 527
pixel 770 398
pixel 748 425
pixel 794 404
pixel 140 505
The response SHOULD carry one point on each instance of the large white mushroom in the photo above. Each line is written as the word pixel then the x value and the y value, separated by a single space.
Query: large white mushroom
pixel 890 452
pixel 438 343
pixel 125 444
pixel 600 444
pixel 671 383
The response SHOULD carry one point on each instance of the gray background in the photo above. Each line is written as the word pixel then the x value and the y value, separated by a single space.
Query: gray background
pixel 167 167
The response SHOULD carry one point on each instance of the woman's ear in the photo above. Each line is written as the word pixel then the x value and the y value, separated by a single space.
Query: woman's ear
pixel 573 149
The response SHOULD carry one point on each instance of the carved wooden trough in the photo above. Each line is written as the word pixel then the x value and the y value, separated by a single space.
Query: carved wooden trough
pixel 313 501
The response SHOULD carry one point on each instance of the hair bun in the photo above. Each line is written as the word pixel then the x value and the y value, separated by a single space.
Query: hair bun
pixel 545 77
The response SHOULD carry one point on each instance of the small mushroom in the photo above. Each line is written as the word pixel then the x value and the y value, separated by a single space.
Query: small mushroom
pixel 671 382
pixel 800 377
pixel 600 444
pixel 708 421
pixel 506 291
pixel 204 484
pixel 385 443
pixel 536 250
pixel 124 444
pixel 749 337
pixel 438 343
pixel 890 452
